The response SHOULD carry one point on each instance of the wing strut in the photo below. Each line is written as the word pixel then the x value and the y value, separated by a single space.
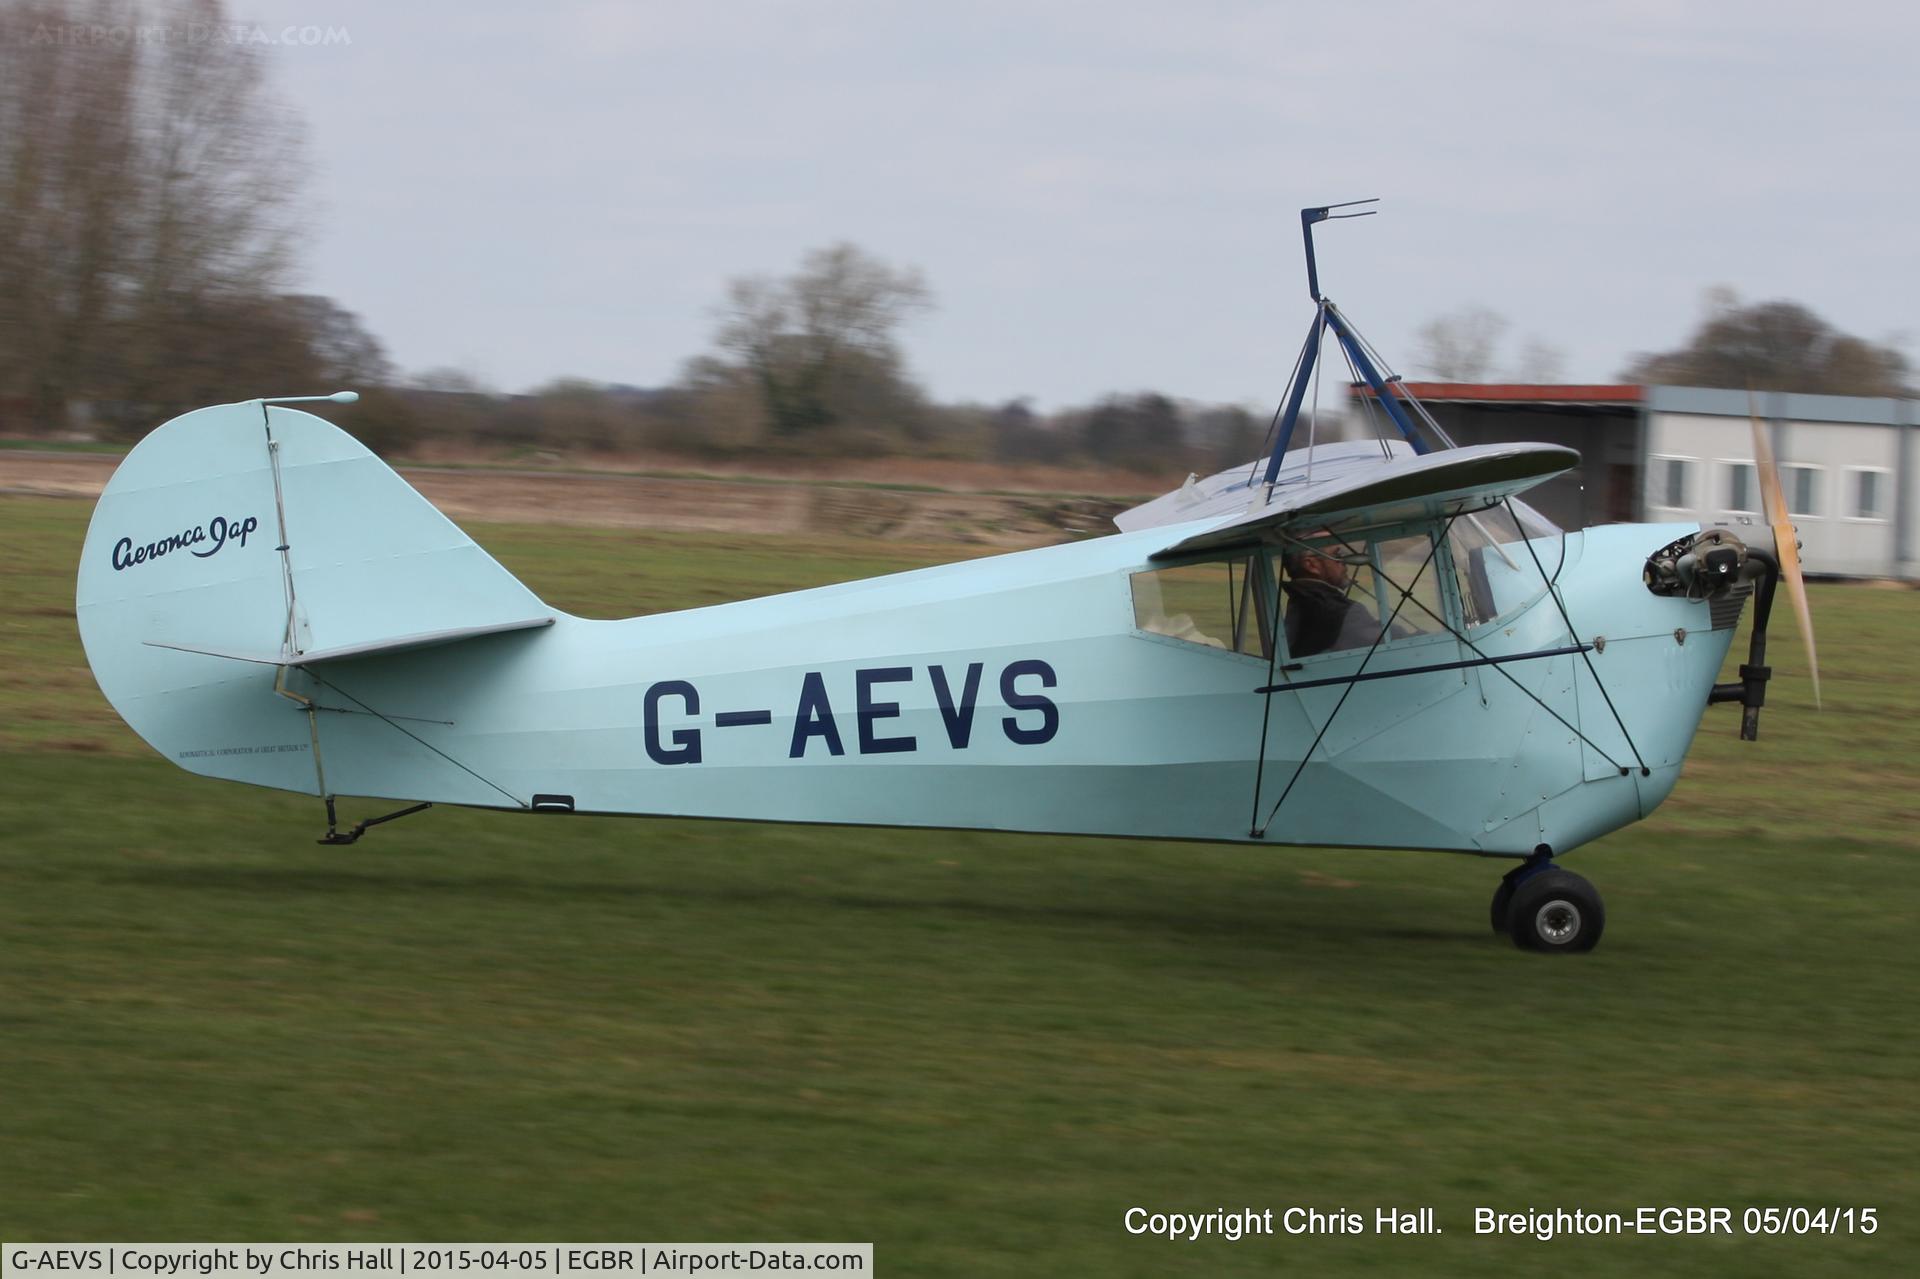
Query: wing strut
pixel 1497 664
pixel 1465 664
pixel 1259 830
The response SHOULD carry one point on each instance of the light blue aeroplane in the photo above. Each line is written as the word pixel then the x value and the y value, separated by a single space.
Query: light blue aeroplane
pixel 1367 644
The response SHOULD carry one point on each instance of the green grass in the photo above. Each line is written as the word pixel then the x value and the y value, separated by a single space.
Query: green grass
pixel 976 1051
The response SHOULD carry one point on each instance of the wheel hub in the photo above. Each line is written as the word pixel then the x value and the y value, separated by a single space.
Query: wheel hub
pixel 1558 921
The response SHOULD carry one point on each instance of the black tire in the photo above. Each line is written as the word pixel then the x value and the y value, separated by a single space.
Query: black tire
pixel 1502 908
pixel 1556 911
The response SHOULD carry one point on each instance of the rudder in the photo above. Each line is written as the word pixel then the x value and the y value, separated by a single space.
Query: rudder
pixel 185 558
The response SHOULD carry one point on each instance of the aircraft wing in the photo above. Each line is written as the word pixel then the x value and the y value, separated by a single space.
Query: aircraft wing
pixel 1349 486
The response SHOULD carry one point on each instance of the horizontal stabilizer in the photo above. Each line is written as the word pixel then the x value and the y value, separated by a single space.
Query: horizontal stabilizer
pixel 369 648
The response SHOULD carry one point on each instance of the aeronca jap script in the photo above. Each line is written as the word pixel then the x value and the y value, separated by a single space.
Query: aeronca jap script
pixel 213 535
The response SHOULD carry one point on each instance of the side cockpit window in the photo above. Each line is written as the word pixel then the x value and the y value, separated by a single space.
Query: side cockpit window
pixel 1342 593
pixel 1216 604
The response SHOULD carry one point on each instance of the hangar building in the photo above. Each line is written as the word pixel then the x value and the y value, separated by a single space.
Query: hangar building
pixel 1850 465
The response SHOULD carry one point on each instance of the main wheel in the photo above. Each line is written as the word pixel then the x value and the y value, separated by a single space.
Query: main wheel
pixel 1502 907
pixel 1556 911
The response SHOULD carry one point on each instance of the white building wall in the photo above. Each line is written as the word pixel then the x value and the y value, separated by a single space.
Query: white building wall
pixel 1836 536
pixel 1909 565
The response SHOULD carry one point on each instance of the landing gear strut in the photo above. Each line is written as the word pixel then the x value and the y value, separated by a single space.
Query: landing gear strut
pixel 335 835
pixel 1543 907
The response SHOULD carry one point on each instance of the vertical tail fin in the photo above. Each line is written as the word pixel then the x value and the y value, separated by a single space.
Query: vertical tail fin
pixel 254 531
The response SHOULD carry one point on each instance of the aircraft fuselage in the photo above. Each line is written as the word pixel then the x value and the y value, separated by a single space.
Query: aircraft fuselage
pixel 1018 693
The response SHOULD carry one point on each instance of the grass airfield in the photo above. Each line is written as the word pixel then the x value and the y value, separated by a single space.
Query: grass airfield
pixel 976 1051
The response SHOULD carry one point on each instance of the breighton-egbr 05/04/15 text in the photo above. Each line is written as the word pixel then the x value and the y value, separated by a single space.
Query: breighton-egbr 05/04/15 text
pixel 1676 1220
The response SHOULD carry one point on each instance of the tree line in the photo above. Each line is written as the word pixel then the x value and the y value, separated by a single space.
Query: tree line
pixel 1773 345
pixel 147 252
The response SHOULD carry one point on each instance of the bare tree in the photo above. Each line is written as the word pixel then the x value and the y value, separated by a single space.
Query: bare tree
pixel 1540 363
pixel 1460 346
pixel 1775 346
pixel 65 125
pixel 344 353
pixel 820 346
pixel 452 381
pixel 1227 433
pixel 146 184
pixel 1139 432
pixel 574 413
pixel 716 408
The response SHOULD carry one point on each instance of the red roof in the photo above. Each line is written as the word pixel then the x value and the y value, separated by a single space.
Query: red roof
pixel 1520 392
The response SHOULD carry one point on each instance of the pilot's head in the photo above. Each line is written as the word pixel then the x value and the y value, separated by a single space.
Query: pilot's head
pixel 1325 568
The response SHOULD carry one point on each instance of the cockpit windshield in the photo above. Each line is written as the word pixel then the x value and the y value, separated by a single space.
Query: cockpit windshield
pixel 1498 555
pixel 1322 591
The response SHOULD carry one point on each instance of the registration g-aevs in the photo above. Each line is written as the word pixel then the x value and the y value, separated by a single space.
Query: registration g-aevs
pixel 1371 644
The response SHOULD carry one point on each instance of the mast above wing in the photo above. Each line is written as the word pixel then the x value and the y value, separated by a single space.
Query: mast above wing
pixel 1401 409
pixel 1422 474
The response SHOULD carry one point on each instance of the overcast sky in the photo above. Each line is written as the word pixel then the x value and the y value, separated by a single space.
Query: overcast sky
pixel 1102 196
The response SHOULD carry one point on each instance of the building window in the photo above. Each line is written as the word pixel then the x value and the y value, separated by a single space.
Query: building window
pixel 1802 486
pixel 1673 483
pixel 1743 488
pixel 1867 494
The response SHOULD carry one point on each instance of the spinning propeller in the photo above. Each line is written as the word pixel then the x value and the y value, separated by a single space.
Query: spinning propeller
pixel 1786 547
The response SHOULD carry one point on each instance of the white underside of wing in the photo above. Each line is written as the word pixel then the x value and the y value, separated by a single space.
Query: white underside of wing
pixel 370 648
pixel 1349 484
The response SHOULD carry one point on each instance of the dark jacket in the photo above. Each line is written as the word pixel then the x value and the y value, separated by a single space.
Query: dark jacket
pixel 1321 619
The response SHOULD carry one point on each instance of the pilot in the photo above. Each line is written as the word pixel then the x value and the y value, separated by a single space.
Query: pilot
pixel 1320 617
